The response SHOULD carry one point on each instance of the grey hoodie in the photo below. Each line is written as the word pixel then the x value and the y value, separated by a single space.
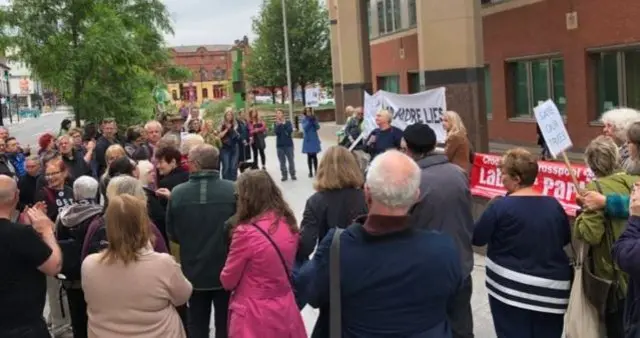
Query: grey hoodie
pixel 445 204
pixel 79 212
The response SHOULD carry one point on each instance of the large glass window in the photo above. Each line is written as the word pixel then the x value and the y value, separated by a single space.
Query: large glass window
pixel 397 18
pixel 389 83
pixel 389 16
pixel 381 21
pixel 617 77
pixel 535 81
pixel 413 13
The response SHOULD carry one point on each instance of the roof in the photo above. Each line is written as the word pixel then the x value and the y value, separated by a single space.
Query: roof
pixel 209 48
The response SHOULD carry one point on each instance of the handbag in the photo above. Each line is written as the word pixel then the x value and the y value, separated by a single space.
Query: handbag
pixel 335 298
pixel 581 319
pixel 598 290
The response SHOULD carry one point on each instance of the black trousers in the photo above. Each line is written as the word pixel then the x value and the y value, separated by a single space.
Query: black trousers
pixel 459 311
pixel 257 152
pixel 511 321
pixel 77 312
pixel 200 313
pixel 36 329
pixel 614 321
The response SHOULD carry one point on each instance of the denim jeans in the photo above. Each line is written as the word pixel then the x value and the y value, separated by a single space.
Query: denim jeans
pixel 37 329
pixel 200 313
pixel 229 158
pixel 285 154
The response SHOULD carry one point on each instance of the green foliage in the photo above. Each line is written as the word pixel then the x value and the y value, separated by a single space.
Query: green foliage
pixel 309 48
pixel 214 110
pixel 175 73
pixel 104 57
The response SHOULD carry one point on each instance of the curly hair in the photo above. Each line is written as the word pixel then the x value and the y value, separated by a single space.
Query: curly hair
pixel 258 194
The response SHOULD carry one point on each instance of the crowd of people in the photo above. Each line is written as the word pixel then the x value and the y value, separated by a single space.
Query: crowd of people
pixel 146 235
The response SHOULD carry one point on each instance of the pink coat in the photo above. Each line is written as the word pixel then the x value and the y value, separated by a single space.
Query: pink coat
pixel 262 303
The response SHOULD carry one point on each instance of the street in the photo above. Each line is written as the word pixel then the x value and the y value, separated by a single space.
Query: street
pixel 296 193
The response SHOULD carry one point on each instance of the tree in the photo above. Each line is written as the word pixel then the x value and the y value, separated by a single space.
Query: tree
pixel 309 49
pixel 265 69
pixel 104 57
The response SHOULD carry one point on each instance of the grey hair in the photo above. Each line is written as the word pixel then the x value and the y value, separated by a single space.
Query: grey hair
pixel 144 167
pixel 34 158
pixel 189 141
pixel 205 157
pixel 620 119
pixel 8 193
pixel 386 114
pixel 169 140
pixel 126 185
pixel 152 124
pixel 393 180
pixel 85 187
pixel 602 156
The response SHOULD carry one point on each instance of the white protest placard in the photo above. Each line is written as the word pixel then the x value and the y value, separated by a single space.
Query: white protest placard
pixel 312 96
pixel 552 127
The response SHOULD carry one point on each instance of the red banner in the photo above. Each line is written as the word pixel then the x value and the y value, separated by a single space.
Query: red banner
pixel 553 180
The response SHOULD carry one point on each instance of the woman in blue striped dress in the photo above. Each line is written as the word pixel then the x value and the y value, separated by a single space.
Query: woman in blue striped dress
pixel 528 273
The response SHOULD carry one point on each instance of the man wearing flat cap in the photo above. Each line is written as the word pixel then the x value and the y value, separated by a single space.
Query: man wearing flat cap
pixel 444 205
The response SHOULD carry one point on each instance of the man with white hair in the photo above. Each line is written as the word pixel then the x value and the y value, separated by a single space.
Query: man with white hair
pixel 153 129
pixel 29 252
pixel 72 227
pixel 395 280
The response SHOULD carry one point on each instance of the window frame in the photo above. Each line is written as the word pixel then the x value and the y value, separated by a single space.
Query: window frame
pixel 621 65
pixel 413 17
pixel 391 9
pixel 511 63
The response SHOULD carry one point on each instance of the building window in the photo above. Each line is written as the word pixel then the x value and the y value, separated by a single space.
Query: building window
pixel 534 82
pixel 174 95
pixel 367 3
pixel 413 13
pixel 389 83
pixel 414 82
pixel 617 79
pixel 205 93
pixel 218 92
pixel 488 92
pixel 389 18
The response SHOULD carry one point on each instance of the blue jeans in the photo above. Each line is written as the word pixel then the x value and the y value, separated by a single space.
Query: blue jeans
pixel 229 158
pixel 285 154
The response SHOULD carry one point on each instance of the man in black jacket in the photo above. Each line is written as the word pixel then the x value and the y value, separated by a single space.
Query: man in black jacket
pixel 106 139
pixel 196 217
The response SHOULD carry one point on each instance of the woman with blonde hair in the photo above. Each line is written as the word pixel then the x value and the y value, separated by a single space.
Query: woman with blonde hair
pixel 114 152
pixel 457 146
pixel 338 200
pixel 210 134
pixel 132 291
pixel 263 248
pixel 230 145
pixel 600 231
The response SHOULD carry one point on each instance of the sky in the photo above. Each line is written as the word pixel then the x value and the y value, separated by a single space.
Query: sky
pixel 203 22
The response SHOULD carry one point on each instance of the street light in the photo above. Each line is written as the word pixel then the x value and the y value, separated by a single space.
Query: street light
pixel 286 57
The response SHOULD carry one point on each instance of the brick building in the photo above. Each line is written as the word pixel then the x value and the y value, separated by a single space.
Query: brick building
pixel 583 54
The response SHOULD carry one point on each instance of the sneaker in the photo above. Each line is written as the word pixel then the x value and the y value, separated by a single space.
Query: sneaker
pixel 283 179
pixel 293 178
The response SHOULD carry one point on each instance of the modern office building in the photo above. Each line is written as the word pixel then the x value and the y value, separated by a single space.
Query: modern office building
pixel 585 55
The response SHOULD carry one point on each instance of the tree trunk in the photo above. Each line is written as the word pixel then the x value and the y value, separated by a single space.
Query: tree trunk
pixel 282 96
pixel 273 94
pixel 77 90
pixel 303 93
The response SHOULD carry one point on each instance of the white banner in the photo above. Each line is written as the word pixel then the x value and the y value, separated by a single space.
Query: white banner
pixel 426 107
pixel 312 96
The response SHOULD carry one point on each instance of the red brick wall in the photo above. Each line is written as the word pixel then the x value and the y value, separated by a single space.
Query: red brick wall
pixel 208 60
pixel 386 60
pixel 539 29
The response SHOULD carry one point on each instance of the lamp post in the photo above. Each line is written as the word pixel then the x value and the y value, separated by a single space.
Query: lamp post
pixel 286 58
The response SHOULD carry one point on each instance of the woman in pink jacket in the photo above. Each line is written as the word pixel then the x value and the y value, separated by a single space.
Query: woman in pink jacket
pixel 263 247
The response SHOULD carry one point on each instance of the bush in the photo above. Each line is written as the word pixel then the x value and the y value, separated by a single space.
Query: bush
pixel 215 110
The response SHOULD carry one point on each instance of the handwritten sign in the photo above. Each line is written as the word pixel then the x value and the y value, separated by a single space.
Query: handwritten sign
pixel 312 96
pixel 552 126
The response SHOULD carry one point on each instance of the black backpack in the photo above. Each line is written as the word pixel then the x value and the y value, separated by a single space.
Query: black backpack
pixel 71 241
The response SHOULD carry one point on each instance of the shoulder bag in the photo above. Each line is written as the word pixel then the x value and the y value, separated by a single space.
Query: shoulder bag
pixel 600 291
pixel 335 298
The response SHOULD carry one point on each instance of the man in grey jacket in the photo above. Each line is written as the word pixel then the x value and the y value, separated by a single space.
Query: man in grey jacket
pixel 444 205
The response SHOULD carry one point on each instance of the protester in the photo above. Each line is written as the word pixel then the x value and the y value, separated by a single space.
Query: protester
pixel 28 254
pixel 263 248
pixel 153 130
pixel 136 143
pixel 168 164
pixel 72 228
pixel 284 144
pixel 65 125
pixel 104 142
pixel 353 128
pixel 384 137
pixel 616 122
pixel 528 282
pixel 132 291
pixel 626 253
pixel 210 134
pixel 244 146
pixel 57 194
pixel 457 146
pixel 189 142
pixel 196 216
pixel 337 202
pixel 445 205
pixel 112 153
pixel 229 151
pixel 258 130
pixel 77 164
pixel 389 285
pixel 600 231
pixel 28 183
pixel 311 141
pixel 15 156
pixel 6 167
